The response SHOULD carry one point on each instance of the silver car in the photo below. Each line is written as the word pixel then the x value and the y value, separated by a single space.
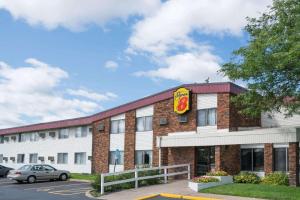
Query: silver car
pixel 32 173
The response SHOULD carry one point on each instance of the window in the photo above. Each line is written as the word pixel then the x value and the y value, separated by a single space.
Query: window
pixel 22 137
pixel 33 158
pixel 143 157
pixel 117 126
pixel 37 168
pixel 63 133
pixel 80 158
pixel 252 159
pixel 281 159
pixel 1 158
pixel 48 168
pixel 62 158
pixel 1 139
pixel 20 158
pixel 81 131
pixel 207 117
pixel 116 158
pixel 144 123
pixel 33 137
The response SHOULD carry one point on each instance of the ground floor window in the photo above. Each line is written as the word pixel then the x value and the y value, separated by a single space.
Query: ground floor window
pixel 62 158
pixel 20 158
pixel 205 158
pixel 252 159
pixel 33 158
pixel 281 158
pixel 143 157
pixel 116 157
pixel 80 158
pixel 1 158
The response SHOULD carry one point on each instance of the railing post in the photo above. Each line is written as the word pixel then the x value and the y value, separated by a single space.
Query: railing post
pixel 189 171
pixel 136 175
pixel 165 175
pixel 102 184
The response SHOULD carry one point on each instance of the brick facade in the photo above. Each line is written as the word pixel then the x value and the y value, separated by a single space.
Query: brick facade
pixel 100 148
pixel 268 158
pixel 227 158
pixel 294 164
pixel 129 148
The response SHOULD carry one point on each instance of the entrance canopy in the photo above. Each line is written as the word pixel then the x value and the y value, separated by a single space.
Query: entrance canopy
pixel 255 136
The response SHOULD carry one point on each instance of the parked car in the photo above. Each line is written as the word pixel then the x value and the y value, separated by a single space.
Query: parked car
pixel 32 173
pixel 4 170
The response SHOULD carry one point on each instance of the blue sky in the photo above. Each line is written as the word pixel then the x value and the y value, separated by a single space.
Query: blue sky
pixel 59 60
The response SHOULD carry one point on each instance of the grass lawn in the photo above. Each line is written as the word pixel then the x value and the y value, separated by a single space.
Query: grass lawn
pixel 257 191
pixel 89 177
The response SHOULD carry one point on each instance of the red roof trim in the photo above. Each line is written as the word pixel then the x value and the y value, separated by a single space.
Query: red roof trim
pixel 196 88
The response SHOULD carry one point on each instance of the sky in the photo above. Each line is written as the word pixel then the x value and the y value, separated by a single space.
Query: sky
pixel 63 59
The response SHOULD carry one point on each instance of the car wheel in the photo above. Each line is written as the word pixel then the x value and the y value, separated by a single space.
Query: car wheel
pixel 31 179
pixel 63 177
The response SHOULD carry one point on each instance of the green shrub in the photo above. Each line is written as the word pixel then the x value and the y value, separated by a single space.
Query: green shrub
pixel 205 179
pixel 246 177
pixel 276 178
pixel 217 173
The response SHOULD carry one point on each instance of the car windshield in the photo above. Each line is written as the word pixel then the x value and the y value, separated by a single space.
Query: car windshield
pixel 25 167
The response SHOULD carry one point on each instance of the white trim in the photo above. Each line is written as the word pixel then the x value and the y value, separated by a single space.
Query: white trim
pixel 258 136
pixel 281 145
pixel 118 117
pixel 252 146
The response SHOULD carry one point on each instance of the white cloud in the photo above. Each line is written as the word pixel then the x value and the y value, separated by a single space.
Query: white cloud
pixel 76 14
pixel 187 68
pixel 171 25
pixel 112 65
pixel 33 94
pixel 93 95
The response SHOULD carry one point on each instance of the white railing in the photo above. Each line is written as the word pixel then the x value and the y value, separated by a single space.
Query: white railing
pixel 136 178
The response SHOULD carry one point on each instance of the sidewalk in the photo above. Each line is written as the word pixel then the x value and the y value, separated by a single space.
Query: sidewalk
pixel 176 187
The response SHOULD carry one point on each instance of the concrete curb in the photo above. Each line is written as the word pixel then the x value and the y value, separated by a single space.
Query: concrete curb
pixel 80 180
pixel 88 194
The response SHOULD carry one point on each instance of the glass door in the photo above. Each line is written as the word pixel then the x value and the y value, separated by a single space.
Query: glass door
pixel 205 160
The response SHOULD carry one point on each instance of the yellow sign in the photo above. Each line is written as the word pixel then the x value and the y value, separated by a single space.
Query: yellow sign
pixel 181 100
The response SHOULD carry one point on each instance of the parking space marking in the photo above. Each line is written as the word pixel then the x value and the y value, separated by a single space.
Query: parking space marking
pixel 70 191
pixel 56 186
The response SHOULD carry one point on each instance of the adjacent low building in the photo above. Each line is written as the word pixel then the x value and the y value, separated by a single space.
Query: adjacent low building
pixel 193 123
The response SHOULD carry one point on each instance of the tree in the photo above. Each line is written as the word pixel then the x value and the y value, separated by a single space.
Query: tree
pixel 270 62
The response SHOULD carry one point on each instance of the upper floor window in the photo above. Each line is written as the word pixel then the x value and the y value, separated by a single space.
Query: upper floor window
pixel 20 158
pixel 63 133
pixel 1 139
pixel 33 158
pixel 281 159
pixel 81 131
pixel 117 126
pixel 207 117
pixel 22 137
pixel 252 159
pixel 33 137
pixel 144 123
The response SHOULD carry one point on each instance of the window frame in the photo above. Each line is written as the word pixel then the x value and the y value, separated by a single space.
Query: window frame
pixel 23 159
pixel 1 158
pixel 207 117
pixel 118 121
pixel 81 159
pixel 150 152
pixel 30 158
pixel 286 159
pixel 64 162
pixel 252 159
pixel 65 136
pixel 144 118
pixel 112 162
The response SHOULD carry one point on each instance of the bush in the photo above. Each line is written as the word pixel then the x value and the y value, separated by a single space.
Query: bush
pixel 217 173
pixel 97 185
pixel 246 177
pixel 205 179
pixel 276 178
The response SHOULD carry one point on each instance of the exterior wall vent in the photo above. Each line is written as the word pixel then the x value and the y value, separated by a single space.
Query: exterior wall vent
pixel 5 159
pixel 12 159
pixel 163 121
pixel 41 158
pixel 52 134
pixel 51 158
pixel 182 118
pixel 90 157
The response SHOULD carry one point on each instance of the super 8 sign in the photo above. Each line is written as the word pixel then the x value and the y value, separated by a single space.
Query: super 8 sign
pixel 182 100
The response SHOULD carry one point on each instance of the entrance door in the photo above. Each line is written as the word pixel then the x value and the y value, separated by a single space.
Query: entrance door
pixel 205 160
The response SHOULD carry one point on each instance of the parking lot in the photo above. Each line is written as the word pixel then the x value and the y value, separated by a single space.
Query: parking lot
pixel 58 190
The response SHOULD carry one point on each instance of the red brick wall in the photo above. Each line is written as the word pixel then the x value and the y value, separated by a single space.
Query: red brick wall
pixel 100 148
pixel 164 109
pixel 129 148
pixel 294 164
pixel 268 158
pixel 227 158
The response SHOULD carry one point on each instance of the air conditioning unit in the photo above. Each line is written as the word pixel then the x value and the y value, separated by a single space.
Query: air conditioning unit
pixel 13 138
pixel 51 158
pixel 90 157
pixel 42 135
pixel 41 158
pixel 52 134
pixel 163 121
pixel 182 118
pixel 5 159
pixel 101 127
pixel 12 159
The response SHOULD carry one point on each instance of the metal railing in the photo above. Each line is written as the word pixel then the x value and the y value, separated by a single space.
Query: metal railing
pixel 136 178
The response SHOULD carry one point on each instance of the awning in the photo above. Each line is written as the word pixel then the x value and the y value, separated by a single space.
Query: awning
pixel 256 136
